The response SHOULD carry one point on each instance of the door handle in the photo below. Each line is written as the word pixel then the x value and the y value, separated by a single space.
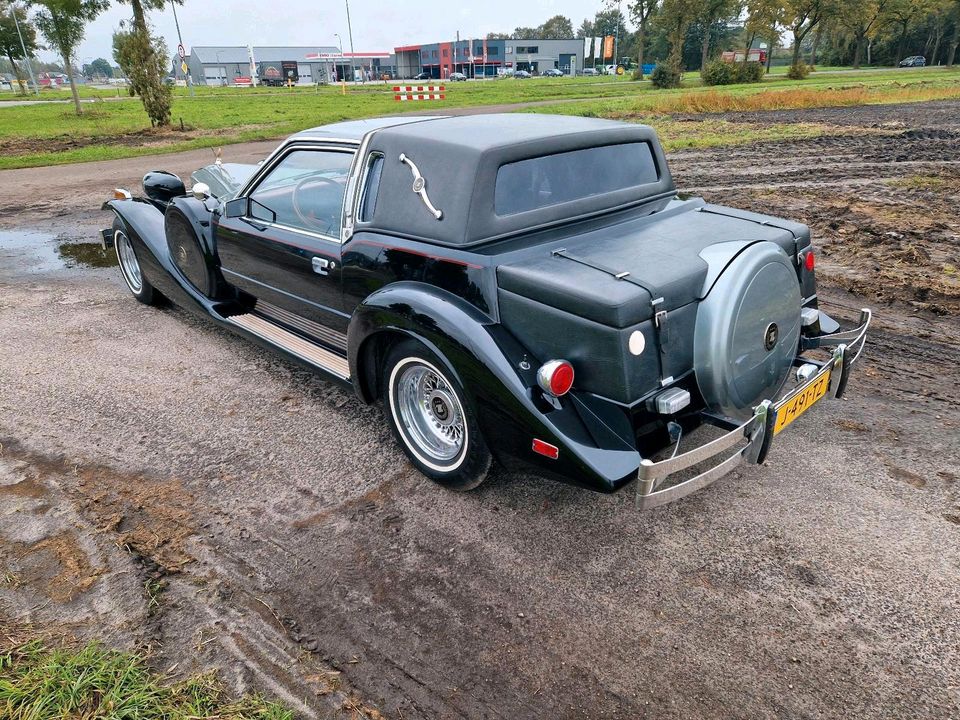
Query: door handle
pixel 322 265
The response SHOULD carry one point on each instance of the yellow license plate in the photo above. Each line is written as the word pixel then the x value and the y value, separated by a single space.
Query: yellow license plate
pixel 799 404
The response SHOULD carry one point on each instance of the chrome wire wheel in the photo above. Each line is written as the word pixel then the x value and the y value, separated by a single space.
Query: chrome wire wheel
pixel 128 262
pixel 429 414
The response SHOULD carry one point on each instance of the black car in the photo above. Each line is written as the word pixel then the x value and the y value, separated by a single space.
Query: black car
pixel 423 76
pixel 522 288
pixel 553 72
pixel 914 61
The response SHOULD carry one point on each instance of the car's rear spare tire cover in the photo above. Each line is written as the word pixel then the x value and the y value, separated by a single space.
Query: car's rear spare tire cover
pixel 186 251
pixel 748 329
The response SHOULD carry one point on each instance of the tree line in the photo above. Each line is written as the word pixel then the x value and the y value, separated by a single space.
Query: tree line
pixel 61 24
pixel 688 34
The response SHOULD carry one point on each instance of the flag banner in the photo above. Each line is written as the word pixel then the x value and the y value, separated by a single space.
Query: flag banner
pixel 608 47
pixel 596 47
pixel 586 48
pixel 484 50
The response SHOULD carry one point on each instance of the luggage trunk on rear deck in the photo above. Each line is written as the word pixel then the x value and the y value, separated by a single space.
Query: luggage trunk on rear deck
pixel 593 298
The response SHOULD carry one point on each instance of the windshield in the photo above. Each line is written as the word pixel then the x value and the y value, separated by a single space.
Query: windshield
pixel 564 177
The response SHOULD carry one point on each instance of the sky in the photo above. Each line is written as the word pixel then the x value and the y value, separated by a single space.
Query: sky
pixel 378 25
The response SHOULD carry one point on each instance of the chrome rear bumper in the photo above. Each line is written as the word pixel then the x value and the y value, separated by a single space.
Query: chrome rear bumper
pixel 756 434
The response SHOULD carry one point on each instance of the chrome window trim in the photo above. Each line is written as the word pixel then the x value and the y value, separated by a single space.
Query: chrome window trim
pixel 340 144
pixel 362 189
pixel 327 144
pixel 351 196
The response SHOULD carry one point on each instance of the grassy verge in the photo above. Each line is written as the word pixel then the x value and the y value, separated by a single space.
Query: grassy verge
pixel 48 134
pixel 774 96
pixel 38 682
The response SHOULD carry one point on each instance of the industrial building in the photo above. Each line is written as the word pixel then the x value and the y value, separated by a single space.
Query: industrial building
pixel 209 65
pixel 479 58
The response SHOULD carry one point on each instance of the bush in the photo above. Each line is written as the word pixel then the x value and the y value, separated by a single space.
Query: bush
pixel 798 71
pixel 665 75
pixel 750 72
pixel 719 72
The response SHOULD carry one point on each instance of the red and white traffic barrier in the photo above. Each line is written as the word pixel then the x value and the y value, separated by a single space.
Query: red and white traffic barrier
pixel 418 92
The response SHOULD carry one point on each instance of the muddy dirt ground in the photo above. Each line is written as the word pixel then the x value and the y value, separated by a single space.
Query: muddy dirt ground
pixel 169 487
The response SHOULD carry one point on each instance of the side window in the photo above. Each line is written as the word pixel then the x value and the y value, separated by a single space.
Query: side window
pixel 304 191
pixel 371 186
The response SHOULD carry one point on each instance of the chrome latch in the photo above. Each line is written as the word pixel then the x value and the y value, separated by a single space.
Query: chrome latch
pixel 321 266
pixel 420 186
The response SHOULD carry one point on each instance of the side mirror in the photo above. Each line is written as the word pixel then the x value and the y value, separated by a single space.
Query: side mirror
pixel 235 208
pixel 201 191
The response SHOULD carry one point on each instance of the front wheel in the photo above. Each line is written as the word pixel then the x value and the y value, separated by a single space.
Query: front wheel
pixel 432 418
pixel 130 267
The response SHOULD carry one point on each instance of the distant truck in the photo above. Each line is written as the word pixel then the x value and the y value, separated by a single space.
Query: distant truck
pixel 753 55
pixel 278 74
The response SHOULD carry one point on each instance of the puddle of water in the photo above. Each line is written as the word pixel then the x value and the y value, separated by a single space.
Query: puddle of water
pixel 29 251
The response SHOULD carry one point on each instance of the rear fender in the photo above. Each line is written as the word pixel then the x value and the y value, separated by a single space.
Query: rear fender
pixel 486 360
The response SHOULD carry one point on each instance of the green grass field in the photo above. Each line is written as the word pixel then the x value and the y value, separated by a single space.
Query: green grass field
pixel 45 134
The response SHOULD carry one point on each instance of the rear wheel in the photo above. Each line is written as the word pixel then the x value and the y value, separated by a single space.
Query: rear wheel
pixel 139 286
pixel 432 418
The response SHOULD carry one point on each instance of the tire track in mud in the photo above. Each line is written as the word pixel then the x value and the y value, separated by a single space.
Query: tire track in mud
pixel 147 535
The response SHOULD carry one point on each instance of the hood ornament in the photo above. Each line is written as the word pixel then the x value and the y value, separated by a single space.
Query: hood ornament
pixel 420 186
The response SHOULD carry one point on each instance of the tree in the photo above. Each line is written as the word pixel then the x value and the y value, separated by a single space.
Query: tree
pixel 10 46
pixel 556 28
pixel 860 18
pixel 802 16
pixel 640 12
pixel 498 36
pixel 100 67
pixel 586 29
pixel 712 12
pixel 147 58
pixel 676 17
pixel 63 23
pixel 524 33
pixel 764 17
pixel 955 40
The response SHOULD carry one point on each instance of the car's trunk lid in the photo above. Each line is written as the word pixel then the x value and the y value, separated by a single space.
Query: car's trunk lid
pixel 614 274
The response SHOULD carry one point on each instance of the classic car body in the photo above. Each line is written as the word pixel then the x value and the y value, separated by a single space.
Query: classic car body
pixel 520 287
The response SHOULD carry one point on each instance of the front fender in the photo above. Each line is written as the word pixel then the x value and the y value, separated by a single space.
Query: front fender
pixel 486 360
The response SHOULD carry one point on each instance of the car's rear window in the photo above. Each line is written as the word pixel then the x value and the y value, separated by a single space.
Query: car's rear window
pixel 552 179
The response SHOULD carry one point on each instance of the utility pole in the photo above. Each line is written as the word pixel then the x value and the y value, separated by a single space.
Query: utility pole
pixel 26 59
pixel 173 6
pixel 350 34
pixel 616 41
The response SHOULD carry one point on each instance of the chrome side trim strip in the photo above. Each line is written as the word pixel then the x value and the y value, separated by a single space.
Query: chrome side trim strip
pixel 293 344
pixel 328 335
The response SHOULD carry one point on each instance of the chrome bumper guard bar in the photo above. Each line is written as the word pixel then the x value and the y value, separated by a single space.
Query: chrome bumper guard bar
pixel 757 431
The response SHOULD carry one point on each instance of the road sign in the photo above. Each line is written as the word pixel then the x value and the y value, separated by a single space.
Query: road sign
pixel 183 67
pixel 181 52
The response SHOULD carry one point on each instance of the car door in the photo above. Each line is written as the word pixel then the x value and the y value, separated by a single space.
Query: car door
pixel 283 246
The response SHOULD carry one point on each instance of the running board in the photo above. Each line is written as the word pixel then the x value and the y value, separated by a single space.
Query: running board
pixel 293 344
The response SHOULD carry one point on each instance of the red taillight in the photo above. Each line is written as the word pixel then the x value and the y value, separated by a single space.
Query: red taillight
pixel 545 448
pixel 556 377
pixel 809 261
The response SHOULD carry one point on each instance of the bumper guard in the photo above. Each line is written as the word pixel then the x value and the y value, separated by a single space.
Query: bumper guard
pixel 757 432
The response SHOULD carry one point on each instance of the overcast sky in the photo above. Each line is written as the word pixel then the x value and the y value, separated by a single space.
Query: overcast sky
pixel 378 25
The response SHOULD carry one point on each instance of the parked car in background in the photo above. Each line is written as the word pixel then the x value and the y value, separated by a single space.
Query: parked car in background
pixel 914 61
pixel 522 75
pixel 552 72
pixel 457 77
pixel 422 76
pixel 528 288
pixel 589 71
